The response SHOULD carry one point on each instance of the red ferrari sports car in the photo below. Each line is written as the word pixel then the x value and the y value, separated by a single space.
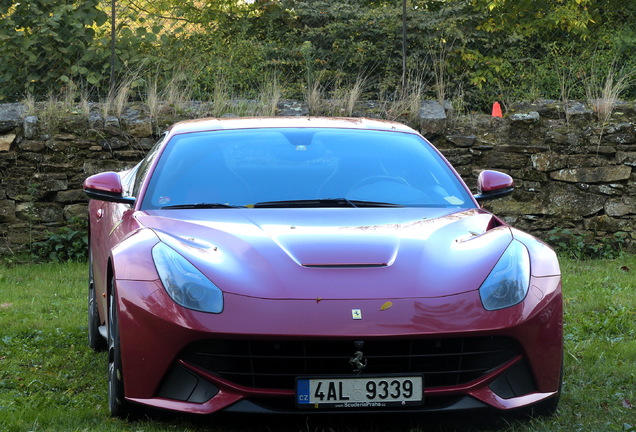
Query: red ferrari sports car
pixel 312 265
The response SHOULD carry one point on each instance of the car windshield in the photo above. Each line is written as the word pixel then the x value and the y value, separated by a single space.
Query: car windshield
pixel 302 167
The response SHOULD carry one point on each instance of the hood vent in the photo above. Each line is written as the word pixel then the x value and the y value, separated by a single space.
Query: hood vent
pixel 331 266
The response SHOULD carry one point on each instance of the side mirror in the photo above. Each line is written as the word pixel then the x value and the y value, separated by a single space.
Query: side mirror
pixel 106 186
pixel 493 184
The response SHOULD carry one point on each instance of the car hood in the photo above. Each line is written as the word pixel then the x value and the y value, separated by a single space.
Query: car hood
pixel 336 253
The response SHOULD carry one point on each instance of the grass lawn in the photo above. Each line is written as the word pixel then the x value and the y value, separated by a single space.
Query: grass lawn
pixel 51 381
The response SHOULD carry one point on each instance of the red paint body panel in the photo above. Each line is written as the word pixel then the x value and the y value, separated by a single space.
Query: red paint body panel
pixel 108 182
pixel 536 324
pixel 489 181
pixel 404 242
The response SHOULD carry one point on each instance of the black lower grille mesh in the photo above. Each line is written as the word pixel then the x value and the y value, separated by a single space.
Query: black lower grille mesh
pixel 275 364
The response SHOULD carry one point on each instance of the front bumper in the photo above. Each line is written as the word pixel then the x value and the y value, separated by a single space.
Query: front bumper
pixel 158 339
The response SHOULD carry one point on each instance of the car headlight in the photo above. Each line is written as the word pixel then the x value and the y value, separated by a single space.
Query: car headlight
pixel 508 282
pixel 186 285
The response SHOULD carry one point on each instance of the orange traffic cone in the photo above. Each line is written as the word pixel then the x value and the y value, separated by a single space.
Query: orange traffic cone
pixel 496 110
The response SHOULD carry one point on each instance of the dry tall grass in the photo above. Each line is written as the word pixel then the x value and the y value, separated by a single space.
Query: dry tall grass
pixel 269 96
pixel 405 104
pixel 604 91
pixel 339 102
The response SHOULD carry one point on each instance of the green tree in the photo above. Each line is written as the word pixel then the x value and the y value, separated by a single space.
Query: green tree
pixel 530 17
pixel 223 42
pixel 45 43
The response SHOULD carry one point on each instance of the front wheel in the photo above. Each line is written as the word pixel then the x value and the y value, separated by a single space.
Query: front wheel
pixel 117 403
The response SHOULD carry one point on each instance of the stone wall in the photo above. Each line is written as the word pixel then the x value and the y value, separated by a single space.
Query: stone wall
pixel 570 172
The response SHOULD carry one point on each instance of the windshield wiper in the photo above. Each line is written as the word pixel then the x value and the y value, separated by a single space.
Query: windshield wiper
pixel 324 202
pixel 200 206
pixel 360 203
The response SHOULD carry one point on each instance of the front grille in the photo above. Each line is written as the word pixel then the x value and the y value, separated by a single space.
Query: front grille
pixel 275 364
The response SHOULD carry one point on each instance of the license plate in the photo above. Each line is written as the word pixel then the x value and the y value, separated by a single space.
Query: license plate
pixel 359 392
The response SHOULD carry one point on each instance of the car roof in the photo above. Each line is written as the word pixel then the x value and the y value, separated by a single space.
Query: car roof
pixel 209 124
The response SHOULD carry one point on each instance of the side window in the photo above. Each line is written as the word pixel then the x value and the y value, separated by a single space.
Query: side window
pixel 128 180
pixel 141 170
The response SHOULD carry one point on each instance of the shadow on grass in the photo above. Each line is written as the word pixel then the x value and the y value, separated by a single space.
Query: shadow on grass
pixel 441 422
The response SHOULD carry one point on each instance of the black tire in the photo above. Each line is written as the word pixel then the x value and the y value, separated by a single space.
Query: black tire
pixel 95 340
pixel 117 403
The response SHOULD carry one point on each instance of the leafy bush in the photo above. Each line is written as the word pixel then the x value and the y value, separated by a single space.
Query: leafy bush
pixel 580 246
pixel 45 43
pixel 470 52
pixel 69 243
